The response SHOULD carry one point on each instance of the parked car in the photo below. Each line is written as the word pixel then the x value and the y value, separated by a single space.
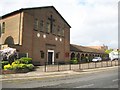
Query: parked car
pixel 97 59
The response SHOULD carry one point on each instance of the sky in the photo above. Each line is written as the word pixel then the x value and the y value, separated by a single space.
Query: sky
pixel 93 22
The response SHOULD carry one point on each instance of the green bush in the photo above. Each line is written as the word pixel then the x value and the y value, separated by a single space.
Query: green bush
pixel 74 61
pixel 8 67
pixel 16 62
pixel 19 66
pixel 15 66
pixel 26 60
pixel 30 66
pixel 4 63
pixel 22 66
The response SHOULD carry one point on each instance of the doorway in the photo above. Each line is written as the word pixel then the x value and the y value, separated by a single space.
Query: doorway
pixel 50 57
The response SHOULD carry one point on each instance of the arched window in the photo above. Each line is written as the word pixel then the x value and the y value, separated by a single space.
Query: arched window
pixel 9 40
pixel 72 56
pixel 82 58
pixel 78 56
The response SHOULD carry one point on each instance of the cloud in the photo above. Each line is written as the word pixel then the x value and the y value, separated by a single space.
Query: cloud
pixel 95 43
pixel 99 23
pixel 93 22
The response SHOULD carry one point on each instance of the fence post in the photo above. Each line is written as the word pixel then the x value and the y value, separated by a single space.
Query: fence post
pixel 70 66
pixel 118 62
pixel 88 65
pixel 111 63
pixel 79 65
pixel 58 66
pixel 101 64
pixel 106 63
pixel 115 62
pixel 95 64
pixel 45 66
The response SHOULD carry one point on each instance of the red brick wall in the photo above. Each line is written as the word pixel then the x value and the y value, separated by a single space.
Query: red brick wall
pixel 30 43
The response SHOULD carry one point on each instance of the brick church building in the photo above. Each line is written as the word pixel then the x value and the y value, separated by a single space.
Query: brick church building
pixel 44 35
pixel 41 32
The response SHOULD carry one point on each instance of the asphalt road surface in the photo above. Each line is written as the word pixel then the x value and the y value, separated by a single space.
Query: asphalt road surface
pixel 102 79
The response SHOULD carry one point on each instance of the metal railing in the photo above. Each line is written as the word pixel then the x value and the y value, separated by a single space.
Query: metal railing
pixel 56 66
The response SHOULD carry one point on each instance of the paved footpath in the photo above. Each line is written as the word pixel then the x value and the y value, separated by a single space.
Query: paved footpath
pixel 37 74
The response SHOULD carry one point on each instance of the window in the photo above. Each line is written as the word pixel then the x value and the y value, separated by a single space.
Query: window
pixel 3 27
pixel 54 29
pixel 62 32
pixel 58 31
pixel 51 20
pixel 41 25
pixel 48 27
pixel 57 55
pixel 42 54
pixel 36 24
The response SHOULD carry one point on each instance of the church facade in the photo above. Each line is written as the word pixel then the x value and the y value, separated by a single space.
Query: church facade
pixel 40 32
pixel 43 35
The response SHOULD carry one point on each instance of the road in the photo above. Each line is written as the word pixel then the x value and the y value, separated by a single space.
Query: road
pixel 102 79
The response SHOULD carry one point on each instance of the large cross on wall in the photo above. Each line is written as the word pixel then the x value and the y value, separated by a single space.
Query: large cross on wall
pixel 51 19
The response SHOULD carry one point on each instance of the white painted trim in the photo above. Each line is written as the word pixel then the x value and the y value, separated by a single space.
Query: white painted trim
pixel 52 55
pixel 27 55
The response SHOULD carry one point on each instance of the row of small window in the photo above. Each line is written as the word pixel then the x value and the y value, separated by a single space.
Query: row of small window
pixel 48 27
pixel 2 27
pixel 43 55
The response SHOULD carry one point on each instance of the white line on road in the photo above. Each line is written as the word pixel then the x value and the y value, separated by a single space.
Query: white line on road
pixel 115 80
pixel 89 85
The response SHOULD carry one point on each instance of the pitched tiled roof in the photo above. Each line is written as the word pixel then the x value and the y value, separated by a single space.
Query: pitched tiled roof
pixel 23 9
pixel 79 48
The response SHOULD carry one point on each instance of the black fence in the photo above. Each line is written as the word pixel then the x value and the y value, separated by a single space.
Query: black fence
pixel 56 66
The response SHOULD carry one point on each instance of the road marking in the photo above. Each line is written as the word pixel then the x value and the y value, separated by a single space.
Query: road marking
pixel 89 85
pixel 115 80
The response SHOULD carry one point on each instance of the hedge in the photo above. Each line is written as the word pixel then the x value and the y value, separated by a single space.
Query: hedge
pixel 26 60
pixel 3 63
pixel 74 61
pixel 8 67
pixel 20 64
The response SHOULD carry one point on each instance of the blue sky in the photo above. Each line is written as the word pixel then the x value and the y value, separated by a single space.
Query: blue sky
pixel 94 22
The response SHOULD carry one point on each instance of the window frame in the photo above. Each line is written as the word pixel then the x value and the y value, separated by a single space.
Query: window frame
pixel 41 25
pixel 58 31
pixel 36 24
pixel 47 27
pixel 57 55
pixel 42 54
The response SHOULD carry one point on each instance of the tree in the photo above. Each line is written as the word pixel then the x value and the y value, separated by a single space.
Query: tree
pixel 108 51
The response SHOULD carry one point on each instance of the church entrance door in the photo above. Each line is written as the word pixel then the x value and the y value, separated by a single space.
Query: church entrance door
pixel 50 57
